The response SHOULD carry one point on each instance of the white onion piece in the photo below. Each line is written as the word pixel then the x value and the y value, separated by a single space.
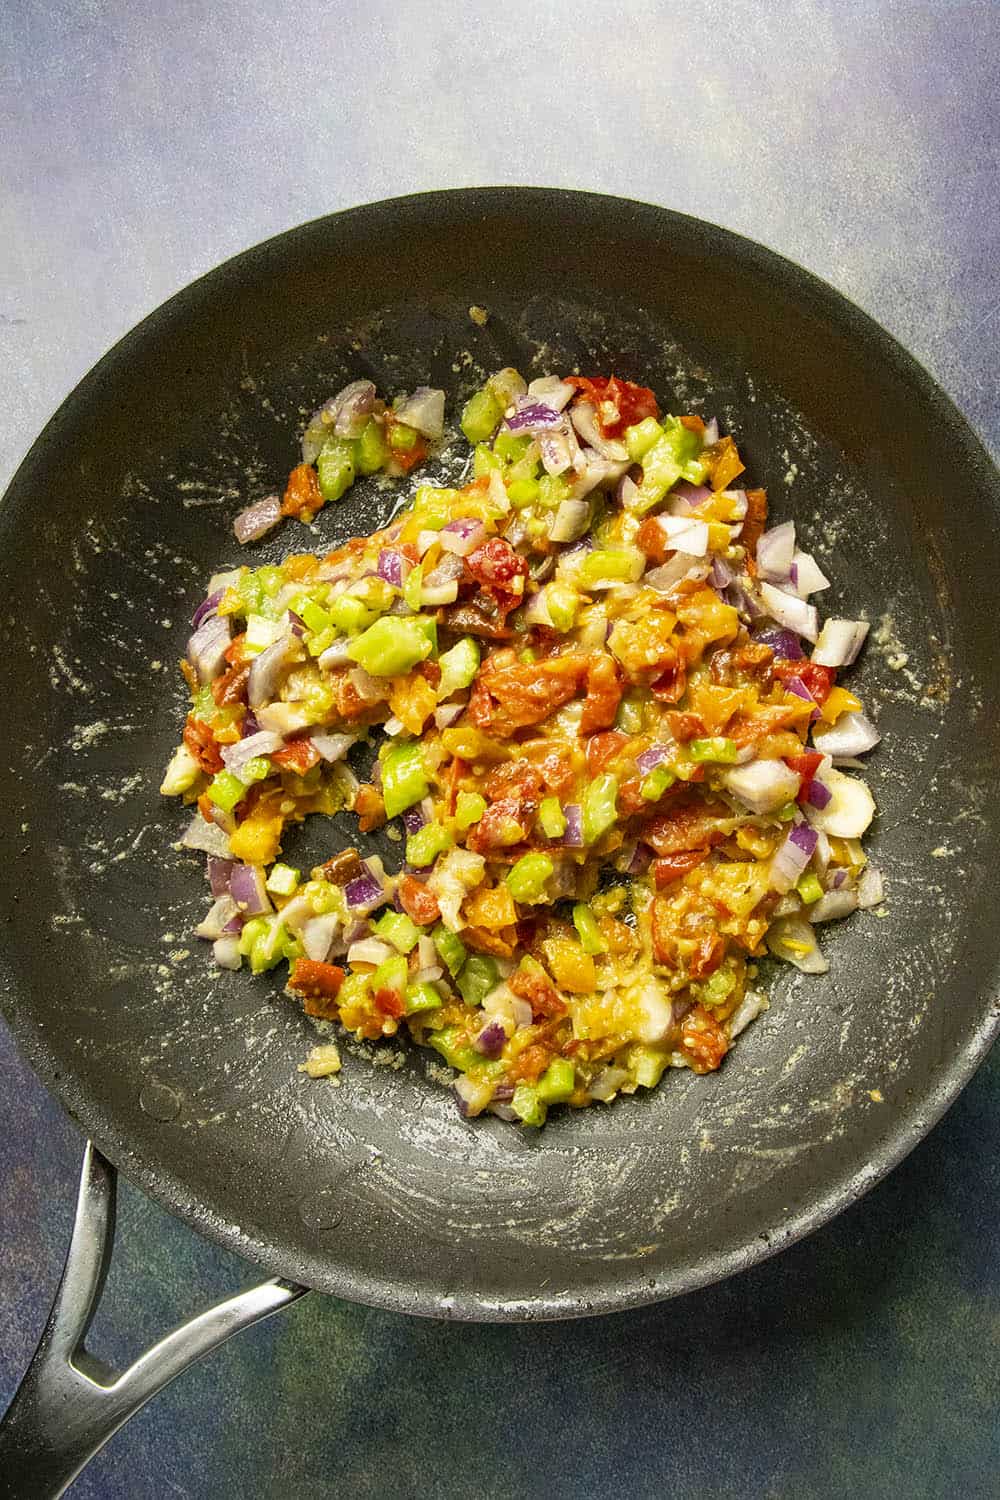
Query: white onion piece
pixel 584 419
pixel 552 391
pixel 333 747
pixel 748 1010
pixel 851 735
pixel 226 951
pixel 792 613
pixel 425 541
pixel 809 576
pixel 369 951
pixel 424 410
pixel 506 385
pixel 775 551
pixel 839 642
pixel 336 655
pixel 792 939
pixel 426 953
pixel 833 905
pixel 607 1083
pixel 265 742
pixel 446 715
pixel 685 534
pixel 430 975
pixel 681 565
pixel 762 785
pixel 370 688
pixel 215 920
pixel 267 670
pixel 318 934
pixel 654 1011
pixel 570 521
pixel 849 811
pixel 871 888
pixel 207 838
pixel 284 718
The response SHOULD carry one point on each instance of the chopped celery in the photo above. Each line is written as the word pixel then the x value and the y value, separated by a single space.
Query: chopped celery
pixel 323 897
pixel 423 996
pixel 432 506
pixel 657 782
pixel 403 439
pixel 413 586
pixel 458 667
pixel 648 1065
pixel 809 888
pixel 270 578
pixel 552 818
pixel 255 769
pixel 450 949
pixel 511 446
pixel 350 614
pixel 557 1082
pixel 404 778
pixel 335 467
pixel 640 438
pixel 390 647
pixel 372 448
pixel 480 415
pixel 629 716
pixel 424 846
pixel 484 462
pixel 313 615
pixel 397 928
pixel 225 790
pixel 479 975
pixel 716 750
pixel 587 930
pixel 563 603
pixel 553 489
pixel 599 807
pixel 251 592
pixel 456 1052
pixel 673 456
pixel 624 565
pixel 251 933
pixel 260 633
pixel 522 492
pixel 469 808
pixel 527 1104
pixel 526 880
pixel 203 703
pixel 282 880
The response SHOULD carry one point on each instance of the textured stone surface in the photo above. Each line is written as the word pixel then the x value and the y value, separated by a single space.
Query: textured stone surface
pixel 144 145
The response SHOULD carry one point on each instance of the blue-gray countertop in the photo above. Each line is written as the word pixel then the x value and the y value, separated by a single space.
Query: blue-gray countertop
pixel 145 144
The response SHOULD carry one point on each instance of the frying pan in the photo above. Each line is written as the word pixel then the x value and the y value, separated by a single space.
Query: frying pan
pixel 186 1078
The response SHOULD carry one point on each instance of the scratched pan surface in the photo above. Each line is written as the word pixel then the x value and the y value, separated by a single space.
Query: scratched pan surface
pixel 187 1078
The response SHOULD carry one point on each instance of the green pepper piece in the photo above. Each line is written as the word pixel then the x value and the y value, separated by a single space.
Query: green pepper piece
pixel 404 778
pixel 629 716
pixel 203 704
pixel 809 888
pixel 252 931
pixel 458 667
pixel 432 506
pixel 527 1105
pixel 450 949
pixel 787 813
pixel 390 647
pixel 673 456
pixel 397 928
pixel 563 603
pixel 335 467
pixel 552 818
pixel 225 790
pixel 599 807
pixel 413 586
pixel 372 450
pixel 391 975
pixel 251 593
pixel 648 1065
pixel 587 930
pixel 313 615
pixel 716 750
pixel 469 808
pixel 557 1082
pixel 350 614
pixel 478 977
pixel 526 880
pixel 640 438
pixel 420 997
pixel 424 846
pixel 270 578
pixel 659 780
pixel 480 415
pixel 402 438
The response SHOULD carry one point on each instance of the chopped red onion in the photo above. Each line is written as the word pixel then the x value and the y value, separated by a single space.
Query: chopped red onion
pixel 206 837
pixel 365 894
pixel 641 860
pixel 414 819
pixel 852 735
pixel 426 540
pixel 214 923
pixel 296 624
pixel 236 756
pixel 762 785
pixel 463 536
pixel 791 858
pixel 226 952
pixel 784 643
pixel 818 795
pixel 370 688
pixel 691 494
pixel 391 566
pixel 257 520
pixel 424 410
pixel 352 407
pixel 266 672
pixel 550 390
pixel 206 650
pixel 871 888
pixel 336 655
pixel 792 939
pixel 570 522
pixel 206 607
pixel 797 686
pixel 584 419
pixel 839 642
pixel 721 575
pixel 806 575
pixel 681 565
pixel 791 612
pixel 246 886
pixel 218 872
pixel 558 450
pixel 490 1041
pixel 626 490
pixel 775 551
pixel 537 609
pixel 250 724
pixel 533 417
pixel 833 905
pixel 573 836
pixel 446 715
pixel 653 757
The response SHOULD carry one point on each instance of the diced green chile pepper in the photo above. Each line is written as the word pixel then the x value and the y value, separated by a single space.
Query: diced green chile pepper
pixel 397 928
pixel 335 467
pixel 587 930
pixel 480 415
pixel 404 778
pixel 552 818
pixel 450 949
pixel 458 667
pixel 526 880
pixel 557 1082
pixel 424 846
pixel 599 807
pixel 391 647
pixel 479 975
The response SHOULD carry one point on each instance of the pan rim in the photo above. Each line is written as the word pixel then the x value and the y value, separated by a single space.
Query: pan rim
pixel 915 1119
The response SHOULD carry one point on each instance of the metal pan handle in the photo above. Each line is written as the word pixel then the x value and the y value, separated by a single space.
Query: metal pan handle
pixel 70 1403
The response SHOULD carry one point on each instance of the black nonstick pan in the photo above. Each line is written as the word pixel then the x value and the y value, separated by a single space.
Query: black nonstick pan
pixel 186 1078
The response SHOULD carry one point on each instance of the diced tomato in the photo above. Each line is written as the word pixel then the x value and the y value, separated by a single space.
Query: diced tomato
pixel 617 403
pixel 671 686
pixel 684 726
pixel 235 650
pixel 604 693
pixel 419 903
pixel 805 765
pixel 502 825
pixel 231 687
pixel 754 521
pixel 556 770
pixel 703 1039
pixel 302 493
pixel 318 984
pixel 369 807
pixel 690 825
pixel 389 1002
pixel 817 680
pixel 652 539
pixel 200 742
pixel 539 992
pixel 604 748
pixel 708 955
pixel 517 778
pixel 693 424
pixel 672 866
pixel 531 1063
pixel 406 458
pixel 299 756
pixel 723 463
pixel 525 693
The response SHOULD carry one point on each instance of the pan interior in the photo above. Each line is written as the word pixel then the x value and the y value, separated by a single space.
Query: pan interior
pixel 187 1077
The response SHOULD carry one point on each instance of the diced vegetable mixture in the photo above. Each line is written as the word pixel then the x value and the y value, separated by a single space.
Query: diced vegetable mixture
pixel 606 722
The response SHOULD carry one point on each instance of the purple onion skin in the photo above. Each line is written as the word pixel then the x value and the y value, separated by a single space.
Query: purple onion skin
pixel 219 873
pixel 818 795
pixel 804 838
pixel 490 1040
pixel 206 607
pixel 784 643
pixel 250 725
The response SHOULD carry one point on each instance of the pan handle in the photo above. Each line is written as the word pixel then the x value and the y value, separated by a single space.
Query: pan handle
pixel 70 1403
